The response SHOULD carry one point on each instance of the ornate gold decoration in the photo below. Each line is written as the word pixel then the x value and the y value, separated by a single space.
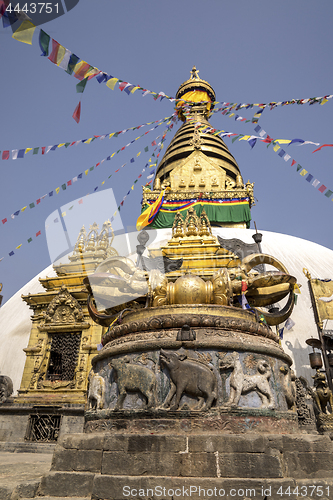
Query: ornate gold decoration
pixel 64 308
pixel 94 245
pixel 196 140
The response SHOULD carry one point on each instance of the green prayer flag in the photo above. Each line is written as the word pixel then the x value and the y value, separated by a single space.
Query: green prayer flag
pixel 31 205
pixel 67 144
pixel 35 151
pixel 328 193
pixel 235 138
pixel 63 186
pixel 110 176
pixel 44 41
pixel 298 167
pixel 91 168
pixel 29 240
pixel 81 85
pixel 136 181
pixel 146 149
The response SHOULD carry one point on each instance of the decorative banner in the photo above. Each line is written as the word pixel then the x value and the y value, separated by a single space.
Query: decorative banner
pixel 79 176
pixel 73 65
pixel 14 154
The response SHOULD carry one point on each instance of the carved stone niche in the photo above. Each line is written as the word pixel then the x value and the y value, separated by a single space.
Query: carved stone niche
pixel 63 312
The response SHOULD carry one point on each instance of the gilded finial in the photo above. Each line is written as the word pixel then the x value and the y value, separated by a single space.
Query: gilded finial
pixel 194 73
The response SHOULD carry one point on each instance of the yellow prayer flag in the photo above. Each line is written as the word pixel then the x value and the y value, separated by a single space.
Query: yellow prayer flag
pixel 232 114
pixel 303 173
pixel 63 214
pixel 103 183
pixel 61 145
pixel 92 72
pixel 61 54
pixel 25 32
pixel 133 90
pixel 323 101
pixel 86 172
pixel 115 213
pixel 18 246
pixel 111 83
pixel 276 147
pixel 245 138
pixel 162 146
pixel 132 187
pixel 139 153
pixel 22 209
pixel 88 141
pixel 57 190
pixel 27 150
pixel 110 135
pixel 283 141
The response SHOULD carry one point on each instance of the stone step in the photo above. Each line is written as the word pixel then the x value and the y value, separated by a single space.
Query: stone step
pixel 13 491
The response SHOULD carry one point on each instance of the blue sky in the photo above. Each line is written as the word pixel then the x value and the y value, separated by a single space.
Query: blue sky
pixel 250 52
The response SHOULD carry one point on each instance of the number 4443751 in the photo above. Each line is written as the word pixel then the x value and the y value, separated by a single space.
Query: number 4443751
pixel 33 8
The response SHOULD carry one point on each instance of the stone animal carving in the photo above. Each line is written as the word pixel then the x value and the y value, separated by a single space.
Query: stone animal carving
pixel 6 388
pixel 241 383
pixel 322 394
pixel 190 377
pixel 96 391
pixel 289 386
pixel 134 378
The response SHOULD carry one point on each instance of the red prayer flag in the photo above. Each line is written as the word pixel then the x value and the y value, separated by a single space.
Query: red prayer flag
pixel 322 188
pixel 5 155
pixel 153 143
pixel 43 150
pixel 293 163
pixel 122 85
pixel 77 113
pixel 69 183
pixel 54 53
pixel 82 71
pixel 38 201
pixel 38 234
pixel 4 221
pixel 244 286
pixel 267 139
pixel 323 146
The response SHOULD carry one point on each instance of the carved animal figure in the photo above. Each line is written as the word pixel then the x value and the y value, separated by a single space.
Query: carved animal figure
pixel 190 377
pixel 6 388
pixel 134 378
pixel 322 394
pixel 96 391
pixel 243 384
pixel 289 386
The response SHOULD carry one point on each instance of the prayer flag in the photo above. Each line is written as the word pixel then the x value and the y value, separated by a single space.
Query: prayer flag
pixel 322 188
pixel 4 221
pixel 73 60
pixel 60 54
pixel 18 246
pixel 38 201
pixel 31 205
pixel 298 167
pixel 57 190
pixel 29 240
pixel 328 193
pixel 315 183
pixel 63 186
pixel 303 173
pixel 252 142
pixel 14 154
pixel 54 54
pixel 51 193
pixel 276 148
pixel 323 146
pixel 35 151
pixel 296 140
pixel 44 41
pixel 293 163
pixel 309 178
pixel 25 32
pixel 81 68
pixel 77 113
pixel 111 82
pixel 11 253
pixel 282 153
pixel 5 155
pixel 38 234
pixel 81 85
pixel 122 85
pixel 286 157
pixel 21 153
pixel 69 183
pixel 65 60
